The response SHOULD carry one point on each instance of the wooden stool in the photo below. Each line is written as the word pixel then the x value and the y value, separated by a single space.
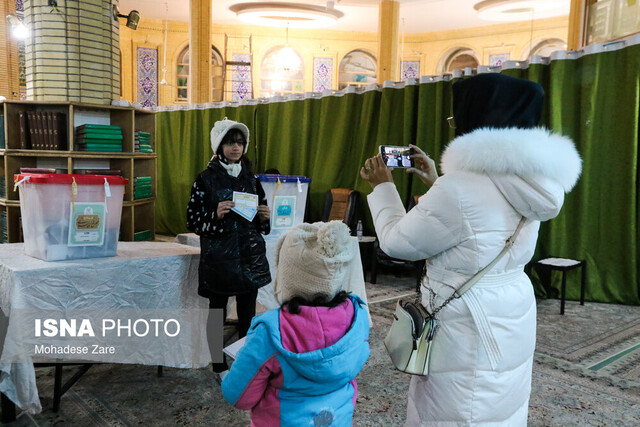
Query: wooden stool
pixel 564 265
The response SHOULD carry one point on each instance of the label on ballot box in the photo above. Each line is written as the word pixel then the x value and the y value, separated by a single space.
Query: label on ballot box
pixel 284 215
pixel 86 224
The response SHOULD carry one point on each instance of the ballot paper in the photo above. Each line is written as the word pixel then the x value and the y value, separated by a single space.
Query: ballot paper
pixel 246 205
pixel 232 350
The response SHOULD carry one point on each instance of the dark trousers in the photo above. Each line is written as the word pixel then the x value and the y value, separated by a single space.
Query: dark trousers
pixel 245 309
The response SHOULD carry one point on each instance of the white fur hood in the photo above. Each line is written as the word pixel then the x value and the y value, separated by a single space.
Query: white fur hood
pixel 527 153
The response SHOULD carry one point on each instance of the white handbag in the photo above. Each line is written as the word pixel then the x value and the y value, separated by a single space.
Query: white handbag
pixel 410 338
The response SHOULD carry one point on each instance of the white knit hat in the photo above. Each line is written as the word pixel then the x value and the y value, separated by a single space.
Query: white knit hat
pixel 220 129
pixel 311 259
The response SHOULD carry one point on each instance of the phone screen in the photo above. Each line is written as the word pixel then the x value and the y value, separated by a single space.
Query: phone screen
pixel 396 156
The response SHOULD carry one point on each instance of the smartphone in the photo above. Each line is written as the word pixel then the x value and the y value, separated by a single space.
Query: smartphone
pixel 396 156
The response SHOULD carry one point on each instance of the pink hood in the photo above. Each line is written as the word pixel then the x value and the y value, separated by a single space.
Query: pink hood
pixel 315 327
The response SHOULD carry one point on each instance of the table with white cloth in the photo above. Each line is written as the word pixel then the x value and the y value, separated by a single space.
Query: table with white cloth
pixel 354 281
pixel 143 275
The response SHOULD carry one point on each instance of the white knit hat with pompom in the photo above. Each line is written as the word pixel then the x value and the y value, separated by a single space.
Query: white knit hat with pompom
pixel 311 260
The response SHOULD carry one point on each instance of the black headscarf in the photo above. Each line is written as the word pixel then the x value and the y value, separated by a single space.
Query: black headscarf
pixel 496 101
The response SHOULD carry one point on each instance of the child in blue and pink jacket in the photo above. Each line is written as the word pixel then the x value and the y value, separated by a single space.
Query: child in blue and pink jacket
pixel 299 362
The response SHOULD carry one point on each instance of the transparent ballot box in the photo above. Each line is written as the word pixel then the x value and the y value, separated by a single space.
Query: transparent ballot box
pixel 287 199
pixel 70 216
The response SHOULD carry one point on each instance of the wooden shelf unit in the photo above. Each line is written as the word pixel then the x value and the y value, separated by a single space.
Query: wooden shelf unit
pixel 137 215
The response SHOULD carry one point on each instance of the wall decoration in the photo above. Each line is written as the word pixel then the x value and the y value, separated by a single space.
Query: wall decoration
pixel 498 59
pixel 410 70
pixel 322 74
pixel 147 76
pixel 241 78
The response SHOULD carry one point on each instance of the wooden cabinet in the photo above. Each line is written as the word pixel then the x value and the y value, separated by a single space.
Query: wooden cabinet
pixel 137 215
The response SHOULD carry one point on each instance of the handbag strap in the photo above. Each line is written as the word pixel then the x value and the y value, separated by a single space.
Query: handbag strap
pixel 476 277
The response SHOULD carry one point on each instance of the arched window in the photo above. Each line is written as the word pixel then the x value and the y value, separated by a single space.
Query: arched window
pixel 282 71
pixel 547 47
pixel 182 75
pixel 357 68
pixel 459 59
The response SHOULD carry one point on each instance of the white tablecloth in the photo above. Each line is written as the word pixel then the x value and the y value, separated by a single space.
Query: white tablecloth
pixel 144 275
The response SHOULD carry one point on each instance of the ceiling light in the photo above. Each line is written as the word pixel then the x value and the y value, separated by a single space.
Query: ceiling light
pixel 132 18
pixel 287 61
pixel 520 10
pixel 18 29
pixel 294 15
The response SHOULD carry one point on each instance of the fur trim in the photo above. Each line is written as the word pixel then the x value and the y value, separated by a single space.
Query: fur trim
pixel 523 152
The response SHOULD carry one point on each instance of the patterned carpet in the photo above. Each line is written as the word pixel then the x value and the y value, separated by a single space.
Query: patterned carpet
pixel 586 373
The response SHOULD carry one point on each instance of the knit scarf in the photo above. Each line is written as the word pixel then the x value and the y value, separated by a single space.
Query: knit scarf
pixel 233 169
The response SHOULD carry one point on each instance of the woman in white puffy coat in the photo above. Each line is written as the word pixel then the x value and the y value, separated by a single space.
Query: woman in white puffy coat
pixel 499 168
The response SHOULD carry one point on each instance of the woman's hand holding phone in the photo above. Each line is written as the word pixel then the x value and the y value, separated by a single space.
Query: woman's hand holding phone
pixel 427 172
pixel 375 171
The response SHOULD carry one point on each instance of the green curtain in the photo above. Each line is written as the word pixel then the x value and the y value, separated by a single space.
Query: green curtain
pixel 594 100
pixel 432 129
pixel 183 145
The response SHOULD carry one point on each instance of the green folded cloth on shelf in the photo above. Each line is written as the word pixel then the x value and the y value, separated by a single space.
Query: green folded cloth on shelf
pixel 99 144
pixel 107 149
pixel 98 141
pixel 104 147
pixel 97 135
pixel 141 133
pixel 98 127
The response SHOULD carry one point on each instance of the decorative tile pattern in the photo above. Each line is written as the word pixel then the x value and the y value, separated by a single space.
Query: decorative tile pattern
pixel 147 77
pixel 410 69
pixel 322 74
pixel 498 59
pixel 241 78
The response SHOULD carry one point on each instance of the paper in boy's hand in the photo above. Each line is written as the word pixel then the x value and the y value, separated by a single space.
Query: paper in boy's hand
pixel 232 350
pixel 246 205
